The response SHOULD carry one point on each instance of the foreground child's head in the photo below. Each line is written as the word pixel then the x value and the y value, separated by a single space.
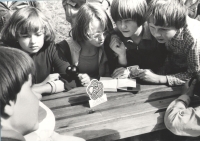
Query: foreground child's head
pixel 92 24
pixel 28 29
pixel 165 18
pixel 19 106
pixel 128 15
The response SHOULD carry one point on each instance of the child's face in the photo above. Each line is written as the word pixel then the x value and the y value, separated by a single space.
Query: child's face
pixel 127 27
pixel 96 33
pixel 32 42
pixel 162 34
pixel 25 115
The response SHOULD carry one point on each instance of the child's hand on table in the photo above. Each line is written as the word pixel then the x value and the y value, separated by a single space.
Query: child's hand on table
pixel 84 78
pixel 120 73
pixel 148 76
pixel 51 77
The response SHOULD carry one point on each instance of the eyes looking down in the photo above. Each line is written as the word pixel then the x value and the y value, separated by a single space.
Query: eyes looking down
pixel 162 34
pixel 96 33
pixel 31 42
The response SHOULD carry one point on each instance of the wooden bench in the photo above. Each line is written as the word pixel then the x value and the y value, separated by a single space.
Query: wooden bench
pixel 124 114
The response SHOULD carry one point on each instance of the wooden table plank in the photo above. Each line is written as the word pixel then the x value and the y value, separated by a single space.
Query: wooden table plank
pixel 140 98
pixel 120 129
pixel 106 116
pixel 124 114
pixel 83 98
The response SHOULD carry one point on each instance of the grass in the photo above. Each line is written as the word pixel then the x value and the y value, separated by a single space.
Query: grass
pixel 55 12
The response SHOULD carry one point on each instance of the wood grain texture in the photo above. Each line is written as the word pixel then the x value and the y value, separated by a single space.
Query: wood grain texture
pixel 124 114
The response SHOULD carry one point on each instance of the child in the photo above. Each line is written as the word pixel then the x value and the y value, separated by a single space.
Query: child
pixel 181 119
pixel 87 42
pixel 169 24
pixel 16 96
pixel 29 30
pixel 71 7
pixel 132 44
pixel 19 106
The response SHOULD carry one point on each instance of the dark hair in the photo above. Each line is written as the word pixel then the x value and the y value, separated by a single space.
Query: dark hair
pixel 15 67
pixel 129 9
pixel 197 85
pixel 85 15
pixel 24 21
pixel 168 13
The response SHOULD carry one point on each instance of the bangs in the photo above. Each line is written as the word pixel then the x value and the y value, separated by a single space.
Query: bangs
pixel 31 25
pixel 160 18
pixel 129 9
pixel 171 14
pixel 120 10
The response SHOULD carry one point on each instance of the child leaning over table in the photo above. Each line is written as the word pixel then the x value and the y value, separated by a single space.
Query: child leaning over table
pixel 169 24
pixel 132 42
pixel 86 46
pixel 29 30
pixel 181 119
pixel 19 105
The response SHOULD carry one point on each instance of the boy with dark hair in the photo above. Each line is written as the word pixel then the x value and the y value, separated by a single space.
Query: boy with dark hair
pixel 19 105
pixel 169 24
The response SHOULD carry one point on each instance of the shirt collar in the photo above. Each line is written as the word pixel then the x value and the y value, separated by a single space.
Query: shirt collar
pixel 179 34
pixel 145 31
pixel 11 134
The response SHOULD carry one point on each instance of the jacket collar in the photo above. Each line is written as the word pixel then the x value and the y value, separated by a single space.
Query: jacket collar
pixel 75 49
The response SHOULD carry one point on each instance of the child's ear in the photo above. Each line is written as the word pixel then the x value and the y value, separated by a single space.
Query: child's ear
pixel 9 109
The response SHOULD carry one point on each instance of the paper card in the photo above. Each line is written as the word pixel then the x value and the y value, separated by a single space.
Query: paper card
pixel 126 83
pixel 98 101
pixel 95 90
pixel 109 84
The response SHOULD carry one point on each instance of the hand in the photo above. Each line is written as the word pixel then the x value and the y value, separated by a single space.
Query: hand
pixel 51 77
pixel 60 86
pixel 149 76
pixel 117 45
pixel 189 90
pixel 120 73
pixel 84 78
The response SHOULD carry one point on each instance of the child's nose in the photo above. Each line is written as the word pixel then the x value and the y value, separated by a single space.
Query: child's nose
pixel 33 39
pixel 123 25
pixel 101 37
pixel 157 33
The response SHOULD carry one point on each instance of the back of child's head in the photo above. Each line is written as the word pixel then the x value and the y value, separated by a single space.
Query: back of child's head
pixel 25 21
pixel 129 9
pixel 85 16
pixel 15 68
pixel 167 13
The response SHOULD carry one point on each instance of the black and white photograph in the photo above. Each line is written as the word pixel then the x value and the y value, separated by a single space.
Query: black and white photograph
pixel 100 70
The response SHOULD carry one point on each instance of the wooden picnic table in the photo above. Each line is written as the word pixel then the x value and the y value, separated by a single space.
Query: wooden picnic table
pixel 124 114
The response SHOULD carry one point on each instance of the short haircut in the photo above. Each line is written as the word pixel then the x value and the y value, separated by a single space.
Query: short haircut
pixel 168 13
pixel 85 15
pixel 25 21
pixel 15 67
pixel 129 9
